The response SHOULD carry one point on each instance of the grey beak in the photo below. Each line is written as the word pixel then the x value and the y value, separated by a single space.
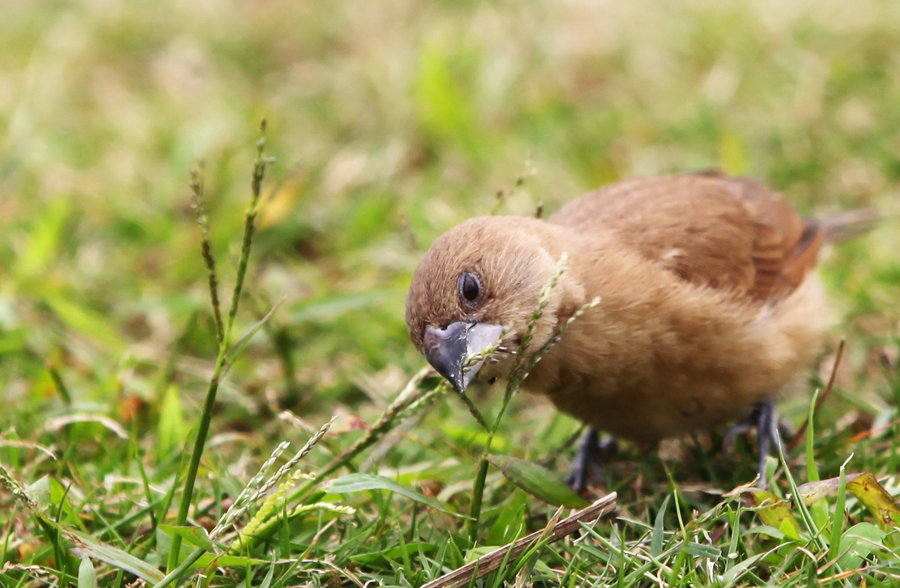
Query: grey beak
pixel 448 349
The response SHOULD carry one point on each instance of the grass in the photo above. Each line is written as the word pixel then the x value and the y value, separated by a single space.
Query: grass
pixel 389 123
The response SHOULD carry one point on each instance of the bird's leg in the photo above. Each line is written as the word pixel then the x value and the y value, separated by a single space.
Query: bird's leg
pixel 591 452
pixel 764 419
pixel 577 479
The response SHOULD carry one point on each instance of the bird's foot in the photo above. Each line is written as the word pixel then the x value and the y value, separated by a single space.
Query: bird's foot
pixel 764 419
pixel 592 452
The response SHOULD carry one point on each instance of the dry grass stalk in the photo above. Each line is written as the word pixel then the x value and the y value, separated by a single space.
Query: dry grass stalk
pixel 493 560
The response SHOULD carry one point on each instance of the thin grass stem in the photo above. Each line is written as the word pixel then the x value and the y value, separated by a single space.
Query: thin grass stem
pixel 521 367
pixel 259 170
pixel 198 201
pixel 408 402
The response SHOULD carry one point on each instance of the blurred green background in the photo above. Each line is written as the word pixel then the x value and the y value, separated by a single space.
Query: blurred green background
pixel 391 121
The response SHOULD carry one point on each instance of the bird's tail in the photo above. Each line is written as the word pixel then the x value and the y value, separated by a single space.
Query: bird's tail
pixel 846 225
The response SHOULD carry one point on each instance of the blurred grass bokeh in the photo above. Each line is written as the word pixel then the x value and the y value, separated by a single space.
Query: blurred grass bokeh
pixel 391 121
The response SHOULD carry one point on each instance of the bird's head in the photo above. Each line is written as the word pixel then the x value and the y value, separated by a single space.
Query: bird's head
pixel 477 283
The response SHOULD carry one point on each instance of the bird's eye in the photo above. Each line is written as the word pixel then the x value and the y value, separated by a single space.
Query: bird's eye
pixel 469 286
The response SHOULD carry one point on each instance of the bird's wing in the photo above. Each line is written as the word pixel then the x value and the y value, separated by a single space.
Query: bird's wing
pixel 727 233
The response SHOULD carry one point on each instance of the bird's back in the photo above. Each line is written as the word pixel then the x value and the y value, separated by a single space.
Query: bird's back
pixel 727 233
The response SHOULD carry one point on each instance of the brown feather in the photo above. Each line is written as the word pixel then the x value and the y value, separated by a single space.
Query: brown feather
pixel 723 232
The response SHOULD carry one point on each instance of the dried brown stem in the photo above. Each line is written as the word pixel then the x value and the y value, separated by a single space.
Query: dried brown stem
pixel 493 560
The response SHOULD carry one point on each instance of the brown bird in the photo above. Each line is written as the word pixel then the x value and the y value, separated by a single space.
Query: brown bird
pixel 709 306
